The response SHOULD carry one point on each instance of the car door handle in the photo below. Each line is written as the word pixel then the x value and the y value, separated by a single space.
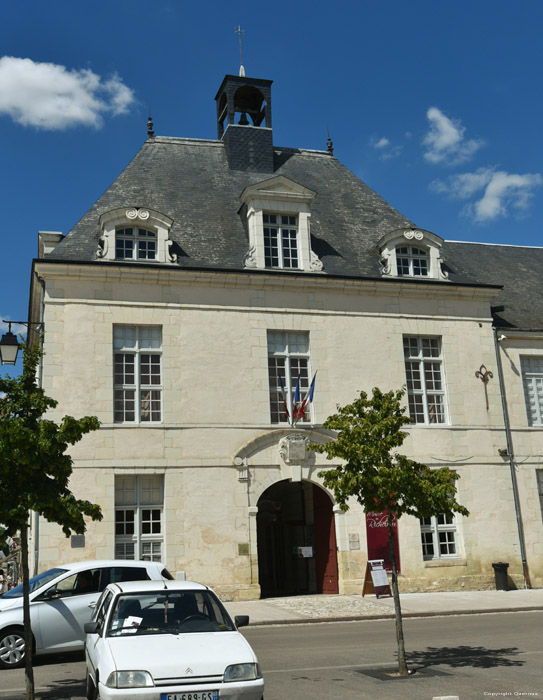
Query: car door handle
pixel 92 605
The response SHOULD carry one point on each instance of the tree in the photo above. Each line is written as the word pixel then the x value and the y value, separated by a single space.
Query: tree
pixel 35 470
pixel 369 431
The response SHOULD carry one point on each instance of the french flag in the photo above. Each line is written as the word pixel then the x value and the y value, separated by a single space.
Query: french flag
pixel 299 411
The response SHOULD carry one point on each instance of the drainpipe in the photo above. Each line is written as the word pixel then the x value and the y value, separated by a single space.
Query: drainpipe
pixel 512 465
pixel 36 517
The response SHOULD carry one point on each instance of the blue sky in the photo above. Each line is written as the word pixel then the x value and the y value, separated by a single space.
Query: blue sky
pixel 437 106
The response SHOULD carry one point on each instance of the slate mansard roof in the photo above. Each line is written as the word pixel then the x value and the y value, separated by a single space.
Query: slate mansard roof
pixel 190 181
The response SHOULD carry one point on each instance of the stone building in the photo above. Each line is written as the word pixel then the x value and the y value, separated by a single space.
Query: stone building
pixel 213 274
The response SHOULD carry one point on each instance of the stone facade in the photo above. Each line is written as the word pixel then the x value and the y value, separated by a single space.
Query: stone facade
pixel 215 449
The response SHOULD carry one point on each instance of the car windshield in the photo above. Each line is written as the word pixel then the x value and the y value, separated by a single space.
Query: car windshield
pixel 168 612
pixel 34 583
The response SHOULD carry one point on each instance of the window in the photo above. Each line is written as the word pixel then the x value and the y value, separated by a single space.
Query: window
pixel 138 517
pixel 137 374
pixel 539 477
pixel 280 241
pixel 532 378
pixel 411 262
pixel 135 244
pixel 412 253
pixel 136 234
pixel 279 226
pixel 288 358
pixel 438 536
pixel 425 392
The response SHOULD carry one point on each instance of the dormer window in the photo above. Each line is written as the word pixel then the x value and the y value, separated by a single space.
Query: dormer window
pixel 135 244
pixel 412 253
pixel 411 262
pixel 136 234
pixel 281 241
pixel 278 218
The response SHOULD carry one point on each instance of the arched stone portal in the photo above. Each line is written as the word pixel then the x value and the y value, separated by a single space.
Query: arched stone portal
pixel 296 540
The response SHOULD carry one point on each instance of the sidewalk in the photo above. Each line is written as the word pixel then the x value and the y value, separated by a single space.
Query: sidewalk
pixel 327 608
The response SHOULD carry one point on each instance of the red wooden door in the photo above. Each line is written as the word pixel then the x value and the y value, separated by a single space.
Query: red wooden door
pixel 325 542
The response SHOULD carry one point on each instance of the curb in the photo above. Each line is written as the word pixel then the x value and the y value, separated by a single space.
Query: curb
pixel 392 616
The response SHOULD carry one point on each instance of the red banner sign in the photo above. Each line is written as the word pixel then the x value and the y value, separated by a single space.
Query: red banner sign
pixel 377 538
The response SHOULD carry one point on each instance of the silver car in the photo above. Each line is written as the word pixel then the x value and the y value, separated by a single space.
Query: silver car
pixel 61 602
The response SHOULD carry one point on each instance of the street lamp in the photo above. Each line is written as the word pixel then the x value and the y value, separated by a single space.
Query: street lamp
pixel 9 347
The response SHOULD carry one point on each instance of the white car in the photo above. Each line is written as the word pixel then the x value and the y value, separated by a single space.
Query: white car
pixel 61 601
pixel 168 641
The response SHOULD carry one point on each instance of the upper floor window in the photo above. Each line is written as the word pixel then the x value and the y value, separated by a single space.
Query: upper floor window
pixel 412 253
pixel 424 374
pixel 137 378
pixel 532 379
pixel 288 372
pixel 439 537
pixel 278 219
pixel 411 262
pixel 135 244
pixel 281 241
pixel 136 234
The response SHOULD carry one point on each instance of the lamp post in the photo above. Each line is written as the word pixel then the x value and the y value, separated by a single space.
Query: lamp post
pixel 9 346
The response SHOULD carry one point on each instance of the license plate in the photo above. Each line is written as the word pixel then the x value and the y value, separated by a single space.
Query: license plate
pixel 199 695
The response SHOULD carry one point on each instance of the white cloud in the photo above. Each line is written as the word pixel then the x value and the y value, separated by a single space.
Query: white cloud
pixel 49 96
pixel 502 191
pixel 386 148
pixel 381 143
pixel 445 141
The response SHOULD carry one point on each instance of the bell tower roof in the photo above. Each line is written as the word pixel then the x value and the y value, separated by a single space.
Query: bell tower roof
pixel 244 122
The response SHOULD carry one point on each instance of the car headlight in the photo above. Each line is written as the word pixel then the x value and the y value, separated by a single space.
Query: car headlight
pixel 242 672
pixel 129 679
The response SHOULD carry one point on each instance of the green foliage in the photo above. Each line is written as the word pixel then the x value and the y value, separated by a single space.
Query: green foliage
pixel 34 467
pixel 369 431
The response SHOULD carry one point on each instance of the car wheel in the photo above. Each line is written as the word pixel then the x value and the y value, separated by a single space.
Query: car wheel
pixel 12 648
pixel 92 690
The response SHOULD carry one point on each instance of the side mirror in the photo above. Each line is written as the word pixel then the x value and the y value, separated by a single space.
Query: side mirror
pixel 90 627
pixel 241 620
pixel 50 594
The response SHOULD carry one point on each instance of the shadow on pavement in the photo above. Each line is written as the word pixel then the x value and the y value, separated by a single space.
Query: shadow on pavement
pixel 464 656
pixel 53 659
pixel 67 688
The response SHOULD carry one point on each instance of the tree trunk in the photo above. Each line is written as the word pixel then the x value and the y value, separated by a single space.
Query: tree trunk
pixel 29 671
pixel 402 664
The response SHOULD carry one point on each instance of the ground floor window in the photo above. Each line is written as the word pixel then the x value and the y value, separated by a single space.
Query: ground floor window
pixel 539 476
pixel 138 517
pixel 439 537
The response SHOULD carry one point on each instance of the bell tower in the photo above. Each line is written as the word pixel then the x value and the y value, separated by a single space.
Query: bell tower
pixel 244 122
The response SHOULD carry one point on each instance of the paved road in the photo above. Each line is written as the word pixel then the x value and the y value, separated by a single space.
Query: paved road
pixel 475 657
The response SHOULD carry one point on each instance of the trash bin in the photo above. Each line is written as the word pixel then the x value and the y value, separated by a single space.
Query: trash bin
pixel 500 575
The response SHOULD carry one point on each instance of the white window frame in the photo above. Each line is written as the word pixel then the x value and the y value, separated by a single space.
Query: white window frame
pixel 288 362
pixel 424 369
pixel 439 532
pixel 532 381
pixel 280 231
pixel 131 497
pixel 412 261
pixel 144 243
pixel 140 398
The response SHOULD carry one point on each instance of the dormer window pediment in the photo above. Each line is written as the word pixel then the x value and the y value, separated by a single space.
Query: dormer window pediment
pixel 412 253
pixel 135 234
pixel 279 216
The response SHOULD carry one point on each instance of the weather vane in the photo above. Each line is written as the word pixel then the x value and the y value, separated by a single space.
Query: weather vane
pixel 241 33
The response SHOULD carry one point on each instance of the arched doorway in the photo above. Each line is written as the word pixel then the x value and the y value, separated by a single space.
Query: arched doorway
pixel 296 540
